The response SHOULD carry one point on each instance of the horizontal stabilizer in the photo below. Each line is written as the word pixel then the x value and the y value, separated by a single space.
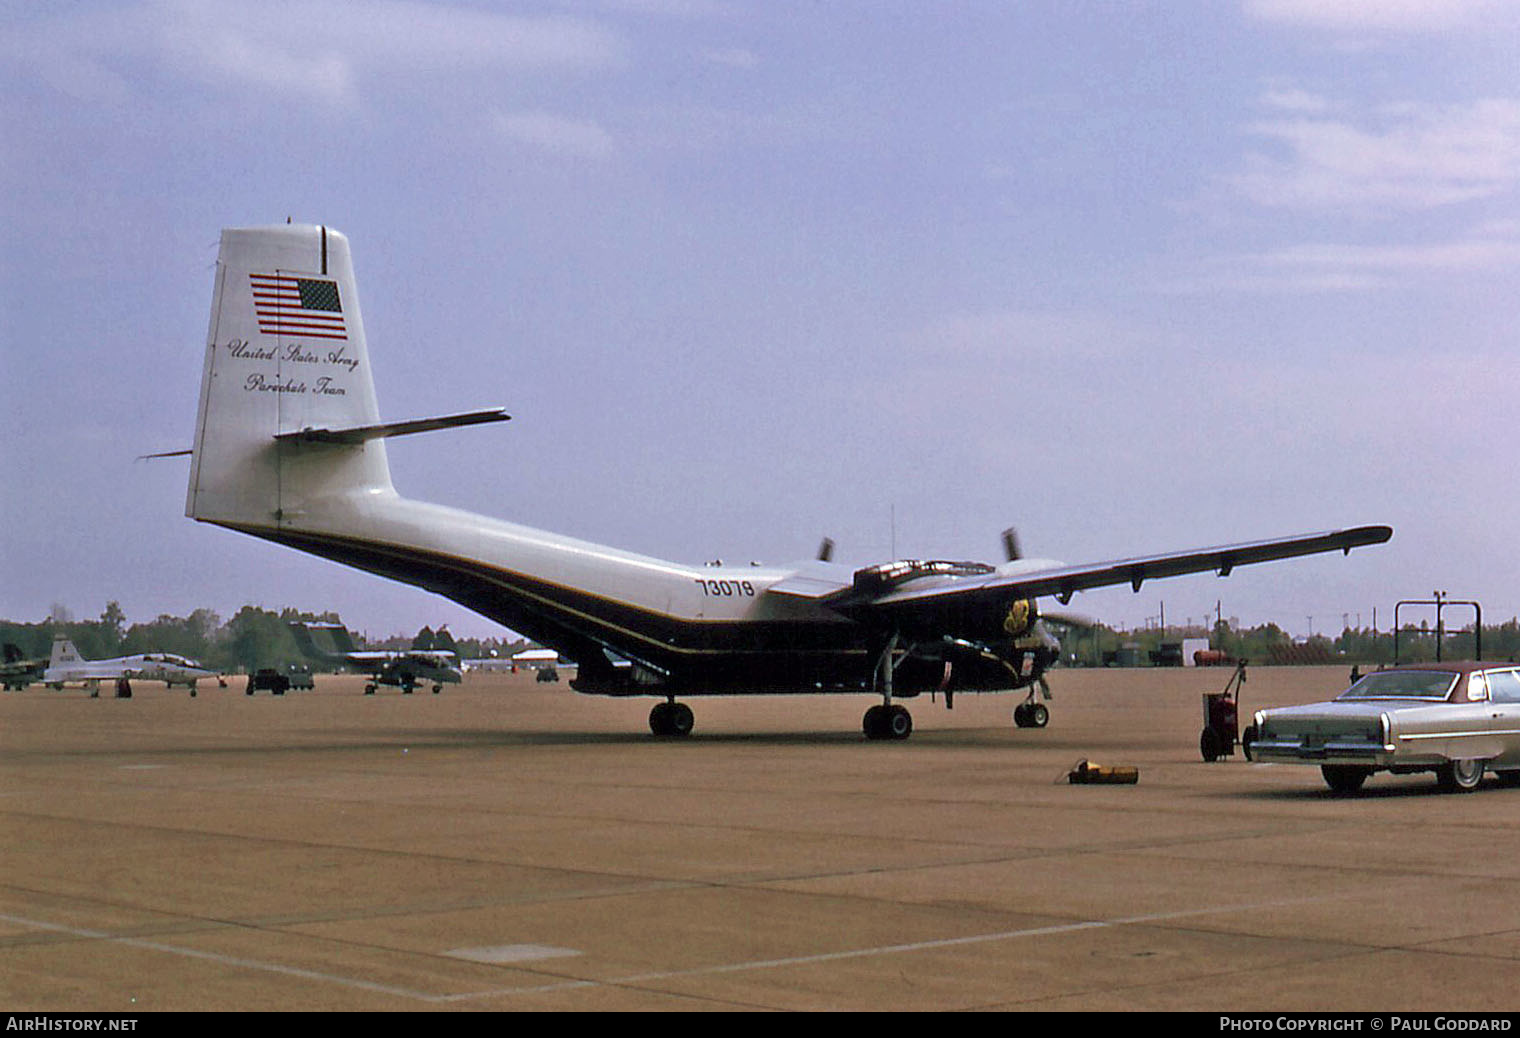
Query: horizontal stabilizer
pixel 361 433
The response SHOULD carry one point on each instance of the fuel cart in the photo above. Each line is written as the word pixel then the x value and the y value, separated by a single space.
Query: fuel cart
pixel 1221 719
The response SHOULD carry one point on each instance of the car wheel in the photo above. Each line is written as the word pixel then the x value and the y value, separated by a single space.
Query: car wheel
pixel 1460 776
pixel 1344 778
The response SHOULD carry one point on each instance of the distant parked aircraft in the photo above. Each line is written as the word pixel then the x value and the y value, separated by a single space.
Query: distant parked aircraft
pixel 17 671
pixel 66 667
pixel 399 669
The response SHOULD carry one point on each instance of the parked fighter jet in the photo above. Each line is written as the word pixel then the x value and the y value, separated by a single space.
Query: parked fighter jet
pixel 289 447
pixel 17 671
pixel 404 670
pixel 66 667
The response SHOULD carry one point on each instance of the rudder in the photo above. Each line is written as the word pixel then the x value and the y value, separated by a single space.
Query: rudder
pixel 285 353
pixel 63 652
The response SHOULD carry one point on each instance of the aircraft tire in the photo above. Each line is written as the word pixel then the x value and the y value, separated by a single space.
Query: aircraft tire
pixel 899 723
pixel 874 723
pixel 1039 715
pixel 671 719
pixel 682 720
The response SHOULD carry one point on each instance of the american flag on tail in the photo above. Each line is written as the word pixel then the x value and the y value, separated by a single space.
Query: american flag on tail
pixel 298 307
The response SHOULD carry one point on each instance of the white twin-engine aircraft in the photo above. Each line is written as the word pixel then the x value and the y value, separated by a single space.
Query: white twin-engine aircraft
pixel 403 669
pixel 289 446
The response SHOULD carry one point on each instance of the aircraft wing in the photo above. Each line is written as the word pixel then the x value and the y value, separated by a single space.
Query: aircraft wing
pixel 369 657
pixel 429 657
pixel 1063 581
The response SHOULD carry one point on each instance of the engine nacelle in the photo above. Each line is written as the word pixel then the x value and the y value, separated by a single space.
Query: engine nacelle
pixel 1021 619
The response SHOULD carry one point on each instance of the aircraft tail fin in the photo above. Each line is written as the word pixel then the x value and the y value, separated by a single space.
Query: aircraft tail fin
pixel 63 652
pixel 285 355
pixel 323 640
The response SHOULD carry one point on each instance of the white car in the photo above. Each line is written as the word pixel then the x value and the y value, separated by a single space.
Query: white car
pixel 1458 720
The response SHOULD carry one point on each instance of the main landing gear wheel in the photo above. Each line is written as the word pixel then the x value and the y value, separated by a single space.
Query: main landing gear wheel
pixel 671 719
pixel 1031 715
pixel 887 722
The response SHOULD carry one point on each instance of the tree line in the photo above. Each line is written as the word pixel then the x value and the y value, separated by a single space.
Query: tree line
pixel 251 639
pixel 1269 643
pixel 257 637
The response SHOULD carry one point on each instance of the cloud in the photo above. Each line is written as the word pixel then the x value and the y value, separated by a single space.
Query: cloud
pixel 1377 16
pixel 1403 157
pixel 315 50
pixel 731 57
pixel 556 134
pixel 1334 267
pixel 1292 99
pixel 1023 335
pixel 1466 254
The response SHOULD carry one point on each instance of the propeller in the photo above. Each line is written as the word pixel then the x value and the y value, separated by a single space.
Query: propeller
pixel 1011 550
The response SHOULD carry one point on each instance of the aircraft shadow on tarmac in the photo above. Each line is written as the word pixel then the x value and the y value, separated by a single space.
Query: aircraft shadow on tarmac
pixel 971 737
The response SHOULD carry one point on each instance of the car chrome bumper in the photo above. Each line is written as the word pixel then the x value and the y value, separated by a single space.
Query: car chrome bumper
pixel 1275 751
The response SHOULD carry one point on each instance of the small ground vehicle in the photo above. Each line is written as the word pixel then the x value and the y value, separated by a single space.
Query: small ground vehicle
pixel 299 675
pixel 1221 718
pixel 268 678
pixel 546 674
pixel 1458 720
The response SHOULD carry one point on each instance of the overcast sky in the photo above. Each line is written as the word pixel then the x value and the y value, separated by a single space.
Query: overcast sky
pixel 1130 276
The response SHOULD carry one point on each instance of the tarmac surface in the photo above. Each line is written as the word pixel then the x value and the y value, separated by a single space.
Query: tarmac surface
pixel 508 845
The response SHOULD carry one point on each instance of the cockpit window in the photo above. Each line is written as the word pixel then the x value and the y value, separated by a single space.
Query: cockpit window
pixel 1402 684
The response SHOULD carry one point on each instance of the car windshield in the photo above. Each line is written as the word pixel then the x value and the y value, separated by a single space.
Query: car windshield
pixel 1417 684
